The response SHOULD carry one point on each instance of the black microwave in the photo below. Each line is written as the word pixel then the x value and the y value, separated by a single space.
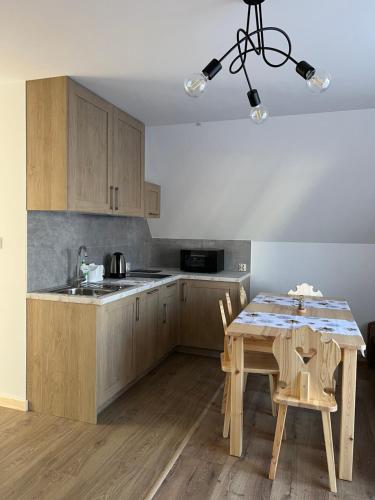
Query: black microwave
pixel 202 261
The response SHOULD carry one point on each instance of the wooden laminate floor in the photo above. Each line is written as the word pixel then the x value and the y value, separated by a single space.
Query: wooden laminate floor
pixel 125 455
pixel 43 457
pixel 205 471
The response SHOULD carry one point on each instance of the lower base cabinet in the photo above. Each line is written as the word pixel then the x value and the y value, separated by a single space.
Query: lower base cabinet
pixel 201 325
pixel 115 362
pixel 168 319
pixel 146 330
pixel 80 357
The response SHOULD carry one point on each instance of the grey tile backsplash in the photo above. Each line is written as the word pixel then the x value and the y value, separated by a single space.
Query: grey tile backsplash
pixel 166 252
pixel 54 238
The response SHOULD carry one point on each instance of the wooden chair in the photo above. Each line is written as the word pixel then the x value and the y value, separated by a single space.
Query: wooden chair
pixel 243 298
pixel 243 301
pixel 254 362
pixel 305 289
pixel 307 361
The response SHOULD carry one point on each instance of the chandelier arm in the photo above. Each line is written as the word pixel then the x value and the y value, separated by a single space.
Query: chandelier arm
pixel 245 52
pixel 233 72
pixel 259 34
pixel 272 65
pixel 287 54
pixel 247 28
pixel 242 56
pixel 249 35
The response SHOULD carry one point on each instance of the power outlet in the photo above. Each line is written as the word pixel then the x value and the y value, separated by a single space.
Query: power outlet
pixel 242 267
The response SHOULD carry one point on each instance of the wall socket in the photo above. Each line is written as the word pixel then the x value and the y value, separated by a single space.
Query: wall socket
pixel 242 267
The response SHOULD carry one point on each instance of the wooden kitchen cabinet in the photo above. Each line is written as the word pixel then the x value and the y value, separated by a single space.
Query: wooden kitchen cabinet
pixel 152 200
pixel 80 357
pixel 146 330
pixel 90 151
pixel 129 135
pixel 115 348
pixel 200 321
pixel 168 319
pixel 61 359
pixel 83 153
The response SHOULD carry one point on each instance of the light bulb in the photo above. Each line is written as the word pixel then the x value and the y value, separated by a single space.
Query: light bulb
pixel 195 84
pixel 319 81
pixel 259 114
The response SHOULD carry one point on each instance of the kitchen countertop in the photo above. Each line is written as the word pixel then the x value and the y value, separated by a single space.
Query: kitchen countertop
pixel 140 285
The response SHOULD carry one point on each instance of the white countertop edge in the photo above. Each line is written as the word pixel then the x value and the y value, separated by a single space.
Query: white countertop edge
pixel 106 299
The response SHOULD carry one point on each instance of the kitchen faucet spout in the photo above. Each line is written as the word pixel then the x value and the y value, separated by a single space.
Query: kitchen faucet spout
pixel 81 257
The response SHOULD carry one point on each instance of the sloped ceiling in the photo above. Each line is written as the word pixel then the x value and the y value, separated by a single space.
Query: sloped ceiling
pixel 137 53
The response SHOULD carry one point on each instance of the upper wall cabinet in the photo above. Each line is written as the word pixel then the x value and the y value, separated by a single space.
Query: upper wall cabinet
pixel 152 200
pixel 90 151
pixel 128 164
pixel 83 154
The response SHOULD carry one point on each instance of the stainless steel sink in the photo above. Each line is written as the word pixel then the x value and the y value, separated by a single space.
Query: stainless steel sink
pixel 91 290
pixel 87 292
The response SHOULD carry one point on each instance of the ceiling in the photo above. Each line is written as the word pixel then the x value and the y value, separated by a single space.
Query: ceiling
pixel 137 53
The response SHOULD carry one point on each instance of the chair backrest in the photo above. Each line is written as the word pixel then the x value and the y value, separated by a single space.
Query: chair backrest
pixel 305 289
pixel 227 345
pixel 243 298
pixel 307 361
pixel 229 306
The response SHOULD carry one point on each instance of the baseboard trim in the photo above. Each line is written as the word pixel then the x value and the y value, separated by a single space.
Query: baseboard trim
pixel 14 404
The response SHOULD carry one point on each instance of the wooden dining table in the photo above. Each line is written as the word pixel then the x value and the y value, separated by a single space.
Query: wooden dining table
pixel 266 317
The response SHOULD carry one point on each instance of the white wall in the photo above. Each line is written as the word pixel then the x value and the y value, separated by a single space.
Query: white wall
pixel 13 234
pixel 299 179
pixel 337 270
pixel 296 178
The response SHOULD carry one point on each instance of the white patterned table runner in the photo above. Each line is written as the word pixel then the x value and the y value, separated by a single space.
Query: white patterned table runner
pixel 275 320
pixel 338 305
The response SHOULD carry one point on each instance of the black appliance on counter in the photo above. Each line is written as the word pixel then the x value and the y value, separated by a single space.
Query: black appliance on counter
pixel 202 261
pixel 118 266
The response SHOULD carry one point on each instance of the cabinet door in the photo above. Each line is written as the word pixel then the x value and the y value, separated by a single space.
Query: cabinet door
pixel 115 353
pixel 201 324
pixel 169 319
pixel 146 330
pixel 152 200
pixel 90 151
pixel 128 165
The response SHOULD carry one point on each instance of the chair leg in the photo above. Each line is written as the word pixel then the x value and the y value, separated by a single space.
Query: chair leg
pixel 327 429
pixel 278 438
pixel 227 409
pixel 225 392
pixel 273 384
pixel 244 381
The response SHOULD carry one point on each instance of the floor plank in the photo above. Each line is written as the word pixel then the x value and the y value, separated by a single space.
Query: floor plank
pixel 45 457
pixel 50 458
pixel 205 470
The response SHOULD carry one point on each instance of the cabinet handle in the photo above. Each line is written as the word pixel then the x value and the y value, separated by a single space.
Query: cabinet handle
pixel 172 284
pixel 116 198
pixel 111 197
pixel 165 313
pixel 137 309
pixel 153 213
pixel 153 291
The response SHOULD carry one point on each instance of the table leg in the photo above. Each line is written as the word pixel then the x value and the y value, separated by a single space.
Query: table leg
pixel 349 375
pixel 236 397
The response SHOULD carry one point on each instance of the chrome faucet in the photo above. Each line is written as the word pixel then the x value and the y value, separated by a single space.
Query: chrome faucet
pixel 82 250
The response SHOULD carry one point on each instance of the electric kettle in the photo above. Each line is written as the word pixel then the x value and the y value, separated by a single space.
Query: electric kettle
pixel 118 266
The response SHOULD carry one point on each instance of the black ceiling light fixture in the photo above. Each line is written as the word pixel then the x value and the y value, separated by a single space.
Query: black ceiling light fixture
pixel 254 41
